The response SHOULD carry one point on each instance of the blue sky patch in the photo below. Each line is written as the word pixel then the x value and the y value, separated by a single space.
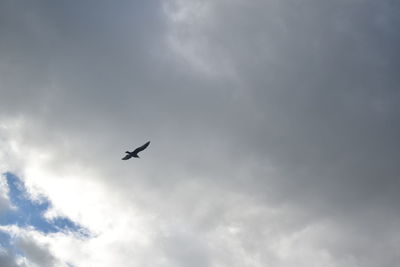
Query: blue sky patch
pixel 30 213
pixel 4 239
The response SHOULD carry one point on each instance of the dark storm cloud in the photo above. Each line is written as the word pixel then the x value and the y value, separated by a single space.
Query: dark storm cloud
pixel 324 77
pixel 306 120
pixel 324 81
pixel 91 45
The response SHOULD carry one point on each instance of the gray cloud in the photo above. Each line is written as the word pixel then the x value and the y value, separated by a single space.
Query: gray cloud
pixel 25 250
pixel 289 125
pixel 8 260
pixel 4 201
pixel 37 253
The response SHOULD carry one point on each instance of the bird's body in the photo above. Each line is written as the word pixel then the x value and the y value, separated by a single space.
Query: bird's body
pixel 134 153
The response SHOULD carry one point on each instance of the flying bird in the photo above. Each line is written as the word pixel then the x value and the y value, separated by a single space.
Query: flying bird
pixel 134 153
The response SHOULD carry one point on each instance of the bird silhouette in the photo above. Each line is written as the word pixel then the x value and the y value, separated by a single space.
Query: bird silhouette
pixel 134 153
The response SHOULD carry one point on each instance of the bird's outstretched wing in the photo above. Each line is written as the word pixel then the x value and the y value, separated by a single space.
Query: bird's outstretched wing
pixel 127 157
pixel 141 148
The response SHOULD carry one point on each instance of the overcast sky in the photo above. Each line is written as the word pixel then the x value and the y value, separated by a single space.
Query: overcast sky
pixel 274 129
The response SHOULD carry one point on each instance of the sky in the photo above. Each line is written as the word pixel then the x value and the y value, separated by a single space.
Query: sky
pixel 274 129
